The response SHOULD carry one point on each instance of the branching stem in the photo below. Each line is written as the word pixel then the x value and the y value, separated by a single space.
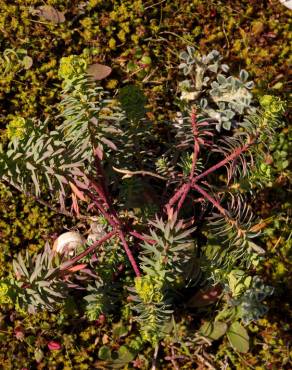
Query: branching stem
pixel 109 213
pixel 210 199
pixel 237 152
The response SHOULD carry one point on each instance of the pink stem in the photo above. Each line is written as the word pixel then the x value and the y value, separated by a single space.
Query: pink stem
pixel 196 151
pixel 211 199
pixel 71 262
pixel 222 163
pixel 183 197
pixel 141 237
pixel 106 215
pixel 196 144
pixel 129 254
pixel 112 217
pixel 179 193
pixel 176 196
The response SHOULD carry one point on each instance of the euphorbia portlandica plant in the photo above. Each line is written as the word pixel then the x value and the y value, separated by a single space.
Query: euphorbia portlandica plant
pixel 176 213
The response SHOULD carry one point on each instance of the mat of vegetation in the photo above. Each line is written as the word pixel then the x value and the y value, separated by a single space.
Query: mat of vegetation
pixel 141 42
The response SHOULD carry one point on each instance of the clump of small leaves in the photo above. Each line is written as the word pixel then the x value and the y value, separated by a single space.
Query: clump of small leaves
pixel 198 232
pixel 223 98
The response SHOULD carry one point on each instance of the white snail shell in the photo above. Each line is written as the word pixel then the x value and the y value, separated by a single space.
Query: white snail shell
pixel 68 242
pixel 287 3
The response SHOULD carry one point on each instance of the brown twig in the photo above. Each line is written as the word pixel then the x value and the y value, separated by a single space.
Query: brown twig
pixel 143 173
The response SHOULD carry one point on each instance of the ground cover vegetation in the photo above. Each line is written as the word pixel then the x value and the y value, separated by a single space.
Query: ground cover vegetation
pixel 173 166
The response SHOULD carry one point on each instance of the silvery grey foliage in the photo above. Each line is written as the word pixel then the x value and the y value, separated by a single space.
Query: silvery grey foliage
pixel 250 303
pixel 222 97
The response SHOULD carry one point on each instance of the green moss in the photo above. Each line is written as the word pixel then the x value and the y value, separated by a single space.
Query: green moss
pixel 23 223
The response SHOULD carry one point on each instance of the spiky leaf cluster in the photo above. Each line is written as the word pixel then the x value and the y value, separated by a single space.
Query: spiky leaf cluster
pixel 40 158
pixel 230 239
pixel 168 261
pixel 90 118
pixel 171 250
pixel 39 284
pixel 153 309
pixel 101 299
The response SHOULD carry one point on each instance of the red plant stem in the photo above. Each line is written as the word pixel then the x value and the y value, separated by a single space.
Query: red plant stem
pixel 196 144
pixel 176 196
pixel 110 213
pixel 194 160
pixel 211 199
pixel 222 163
pixel 179 193
pixel 141 237
pixel 100 191
pixel 183 197
pixel 100 171
pixel 129 253
pixel 115 223
pixel 87 251
pixel 112 217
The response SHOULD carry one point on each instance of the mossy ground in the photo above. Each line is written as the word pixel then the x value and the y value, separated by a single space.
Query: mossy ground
pixel 140 40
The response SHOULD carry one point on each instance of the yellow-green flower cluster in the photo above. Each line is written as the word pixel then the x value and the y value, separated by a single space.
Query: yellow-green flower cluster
pixel 150 333
pixel 273 105
pixel 148 289
pixel 72 66
pixel 16 128
pixel 4 293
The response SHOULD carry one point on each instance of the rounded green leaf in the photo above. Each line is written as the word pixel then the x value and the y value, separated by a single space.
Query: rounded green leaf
pixel 125 355
pixel 104 353
pixel 38 355
pixel 213 330
pixel 238 337
pixel 119 330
